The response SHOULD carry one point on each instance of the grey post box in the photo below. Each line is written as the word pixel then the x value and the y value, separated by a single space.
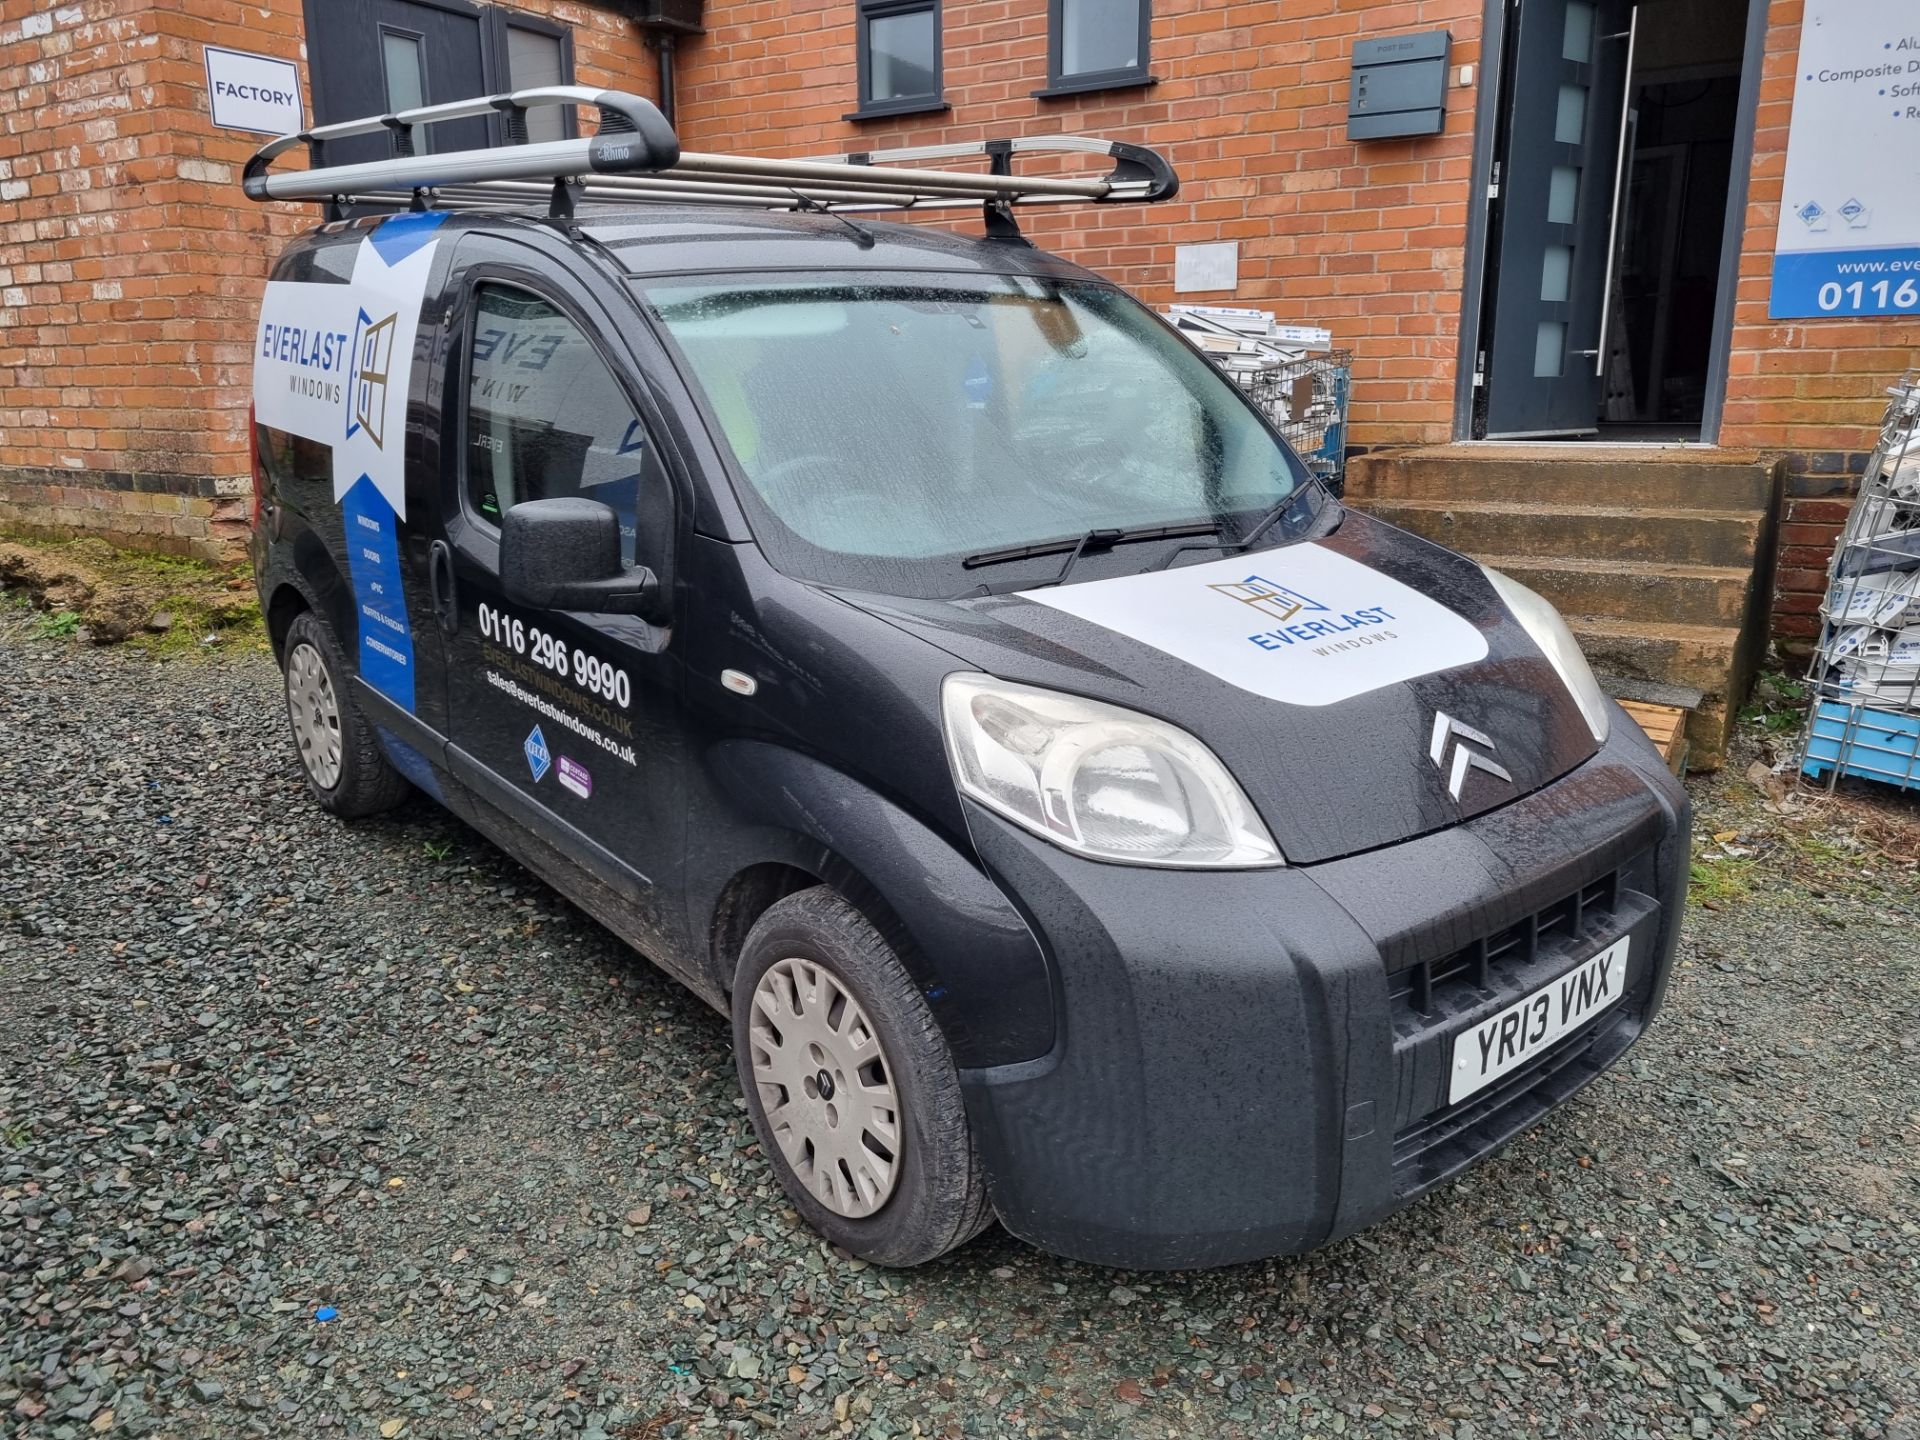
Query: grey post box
pixel 1399 86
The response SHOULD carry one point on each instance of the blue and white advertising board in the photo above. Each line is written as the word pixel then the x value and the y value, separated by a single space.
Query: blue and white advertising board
pixel 1849 237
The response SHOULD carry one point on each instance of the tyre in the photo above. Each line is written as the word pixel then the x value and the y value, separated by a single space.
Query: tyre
pixel 339 754
pixel 853 1092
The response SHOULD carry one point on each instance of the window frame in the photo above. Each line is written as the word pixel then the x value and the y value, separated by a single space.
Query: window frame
pixel 423 134
pixel 935 101
pixel 459 392
pixel 496 60
pixel 1086 82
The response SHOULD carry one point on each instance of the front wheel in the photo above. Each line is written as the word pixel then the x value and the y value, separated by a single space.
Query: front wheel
pixel 852 1089
pixel 339 753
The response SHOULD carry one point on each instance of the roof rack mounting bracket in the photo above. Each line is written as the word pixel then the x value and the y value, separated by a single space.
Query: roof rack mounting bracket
pixel 401 134
pixel 1001 224
pixel 566 191
pixel 513 117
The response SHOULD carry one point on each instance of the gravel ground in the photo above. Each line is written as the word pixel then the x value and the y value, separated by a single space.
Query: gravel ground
pixel 254 1063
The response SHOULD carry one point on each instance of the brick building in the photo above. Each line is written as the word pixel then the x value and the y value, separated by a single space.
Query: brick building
pixel 1474 287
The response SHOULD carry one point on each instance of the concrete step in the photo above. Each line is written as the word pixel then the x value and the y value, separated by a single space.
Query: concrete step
pixel 1709 658
pixel 1696 655
pixel 1566 475
pixel 1657 536
pixel 1634 590
pixel 1650 553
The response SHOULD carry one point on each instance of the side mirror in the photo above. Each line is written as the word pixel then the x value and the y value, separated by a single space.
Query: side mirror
pixel 565 555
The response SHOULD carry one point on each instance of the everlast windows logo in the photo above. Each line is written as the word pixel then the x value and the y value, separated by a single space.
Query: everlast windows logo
pixel 1332 635
pixel 372 358
pixel 1268 598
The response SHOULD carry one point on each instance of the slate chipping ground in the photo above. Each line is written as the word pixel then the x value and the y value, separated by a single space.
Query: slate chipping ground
pixel 254 1063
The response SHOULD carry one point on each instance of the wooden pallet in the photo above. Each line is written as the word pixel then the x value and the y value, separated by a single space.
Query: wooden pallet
pixel 1666 726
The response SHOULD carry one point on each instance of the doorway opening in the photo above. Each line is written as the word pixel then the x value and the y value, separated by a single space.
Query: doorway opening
pixel 1617 153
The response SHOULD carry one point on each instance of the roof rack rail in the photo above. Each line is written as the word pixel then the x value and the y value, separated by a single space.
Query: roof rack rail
pixel 636 158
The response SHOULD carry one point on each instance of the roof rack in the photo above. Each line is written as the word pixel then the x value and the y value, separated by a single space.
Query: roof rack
pixel 635 158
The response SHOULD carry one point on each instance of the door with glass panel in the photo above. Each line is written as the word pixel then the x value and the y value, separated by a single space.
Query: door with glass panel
pixel 1559 210
pixel 373 57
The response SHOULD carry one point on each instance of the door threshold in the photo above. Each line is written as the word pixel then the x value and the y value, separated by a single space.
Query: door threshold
pixel 1600 442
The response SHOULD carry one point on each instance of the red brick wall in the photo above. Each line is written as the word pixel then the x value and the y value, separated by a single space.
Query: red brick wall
pixel 130 263
pixel 1250 106
pixel 1811 389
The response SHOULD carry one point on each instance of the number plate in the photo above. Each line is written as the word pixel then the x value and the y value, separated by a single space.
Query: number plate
pixel 1528 1026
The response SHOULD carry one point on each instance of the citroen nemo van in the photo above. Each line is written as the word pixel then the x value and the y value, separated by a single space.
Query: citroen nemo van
pixel 913 645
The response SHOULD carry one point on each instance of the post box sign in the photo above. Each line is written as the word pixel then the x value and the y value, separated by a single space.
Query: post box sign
pixel 1849 236
pixel 254 92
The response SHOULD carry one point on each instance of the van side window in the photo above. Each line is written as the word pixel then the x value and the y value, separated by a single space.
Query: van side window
pixel 545 417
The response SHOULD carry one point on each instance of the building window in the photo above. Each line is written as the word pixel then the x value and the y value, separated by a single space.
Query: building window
pixel 401 69
pixel 536 52
pixel 899 57
pixel 1097 45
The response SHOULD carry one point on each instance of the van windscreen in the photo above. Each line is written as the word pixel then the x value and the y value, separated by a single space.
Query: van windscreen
pixel 891 427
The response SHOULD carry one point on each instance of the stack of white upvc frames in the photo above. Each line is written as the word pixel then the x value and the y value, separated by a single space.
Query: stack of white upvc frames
pixel 1865 719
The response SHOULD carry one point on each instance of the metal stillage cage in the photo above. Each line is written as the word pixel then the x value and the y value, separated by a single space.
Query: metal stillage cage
pixel 1307 402
pixel 1865 719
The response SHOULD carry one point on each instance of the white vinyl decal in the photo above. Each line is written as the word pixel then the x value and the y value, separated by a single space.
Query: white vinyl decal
pixel 332 362
pixel 1299 623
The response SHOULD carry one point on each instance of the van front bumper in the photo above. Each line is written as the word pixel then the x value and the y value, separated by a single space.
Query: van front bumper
pixel 1252 1063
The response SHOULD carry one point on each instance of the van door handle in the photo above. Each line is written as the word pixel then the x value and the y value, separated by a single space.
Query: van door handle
pixel 446 602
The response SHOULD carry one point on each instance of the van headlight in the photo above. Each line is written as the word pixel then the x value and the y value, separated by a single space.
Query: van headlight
pixel 1100 781
pixel 1541 621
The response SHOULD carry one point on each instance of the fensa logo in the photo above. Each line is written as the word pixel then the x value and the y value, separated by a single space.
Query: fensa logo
pixel 1339 631
pixel 372 357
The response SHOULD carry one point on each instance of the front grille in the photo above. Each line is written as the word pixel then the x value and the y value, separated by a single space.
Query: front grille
pixel 1423 988
pixel 1435 1129
pixel 1446 1142
pixel 1434 1000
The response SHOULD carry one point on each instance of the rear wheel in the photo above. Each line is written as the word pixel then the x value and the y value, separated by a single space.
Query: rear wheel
pixel 851 1087
pixel 339 753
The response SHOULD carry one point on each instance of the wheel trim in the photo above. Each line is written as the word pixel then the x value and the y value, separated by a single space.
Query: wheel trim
pixel 826 1087
pixel 315 712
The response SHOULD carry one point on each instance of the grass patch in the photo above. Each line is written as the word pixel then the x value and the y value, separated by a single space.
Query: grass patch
pixel 56 625
pixel 1719 879
pixel 159 603
pixel 1779 704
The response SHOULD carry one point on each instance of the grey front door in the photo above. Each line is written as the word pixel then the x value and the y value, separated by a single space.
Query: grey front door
pixel 370 57
pixel 1567 94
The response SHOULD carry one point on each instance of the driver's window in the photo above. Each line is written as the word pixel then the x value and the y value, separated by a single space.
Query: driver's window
pixel 545 416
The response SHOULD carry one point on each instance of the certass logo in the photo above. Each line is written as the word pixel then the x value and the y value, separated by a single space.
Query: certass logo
pixel 372 359
pixel 1275 601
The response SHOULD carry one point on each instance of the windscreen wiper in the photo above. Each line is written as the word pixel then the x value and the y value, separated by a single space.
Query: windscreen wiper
pixel 1076 546
pixel 1245 542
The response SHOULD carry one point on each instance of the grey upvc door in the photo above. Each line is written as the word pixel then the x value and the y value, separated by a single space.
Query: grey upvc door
pixel 1557 204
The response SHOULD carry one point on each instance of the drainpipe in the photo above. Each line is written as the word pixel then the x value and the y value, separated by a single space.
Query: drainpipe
pixel 663 44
